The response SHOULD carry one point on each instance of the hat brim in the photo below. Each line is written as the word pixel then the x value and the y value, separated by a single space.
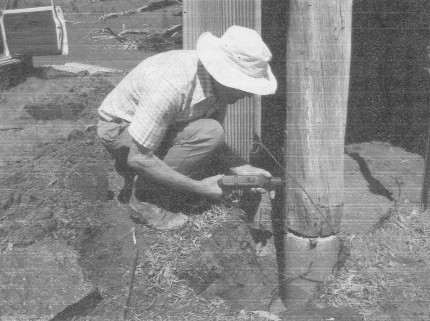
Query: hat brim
pixel 220 67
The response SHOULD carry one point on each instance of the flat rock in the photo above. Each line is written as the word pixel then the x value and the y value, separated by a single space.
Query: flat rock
pixel 40 281
pixel 75 67
pixel 377 175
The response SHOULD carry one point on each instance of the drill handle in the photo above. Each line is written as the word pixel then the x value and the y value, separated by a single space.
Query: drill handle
pixel 248 181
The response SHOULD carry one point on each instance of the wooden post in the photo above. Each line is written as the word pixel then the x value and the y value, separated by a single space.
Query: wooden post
pixel 318 64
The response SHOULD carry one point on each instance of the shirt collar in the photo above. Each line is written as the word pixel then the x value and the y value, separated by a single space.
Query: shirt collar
pixel 204 86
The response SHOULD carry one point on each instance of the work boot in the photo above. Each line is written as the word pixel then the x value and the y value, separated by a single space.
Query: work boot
pixel 125 193
pixel 156 216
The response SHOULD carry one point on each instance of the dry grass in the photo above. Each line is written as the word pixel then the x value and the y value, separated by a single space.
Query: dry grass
pixel 386 277
pixel 159 291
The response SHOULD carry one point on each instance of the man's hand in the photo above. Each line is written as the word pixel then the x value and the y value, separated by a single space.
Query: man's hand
pixel 251 170
pixel 210 187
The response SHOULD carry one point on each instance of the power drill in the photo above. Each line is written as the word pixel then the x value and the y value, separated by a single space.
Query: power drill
pixel 234 186
pixel 242 182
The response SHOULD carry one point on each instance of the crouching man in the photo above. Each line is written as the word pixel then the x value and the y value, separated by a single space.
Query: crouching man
pixel 163 122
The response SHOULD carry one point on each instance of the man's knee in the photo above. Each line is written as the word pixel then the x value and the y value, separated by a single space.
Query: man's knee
pixel 213 131
pixel 114 135
pixel 116 139
pixel 193 146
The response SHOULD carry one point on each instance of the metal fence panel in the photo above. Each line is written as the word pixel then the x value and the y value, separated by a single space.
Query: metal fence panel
pixel 242 124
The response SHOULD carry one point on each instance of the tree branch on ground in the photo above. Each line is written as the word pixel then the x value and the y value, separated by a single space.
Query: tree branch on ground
pixel 148 38
pixel 73 22
pixel 145 31
pixel 152 39
pixel 119 38
pixel 172 30
pixel 150 7
pixel 150 31
pixel 101 31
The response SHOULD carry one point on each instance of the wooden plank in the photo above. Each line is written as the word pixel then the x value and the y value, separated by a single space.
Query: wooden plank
pixel 318 65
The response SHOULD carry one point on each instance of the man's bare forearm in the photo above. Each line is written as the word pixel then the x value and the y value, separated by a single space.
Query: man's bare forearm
pixel 146 163
pixel 155 168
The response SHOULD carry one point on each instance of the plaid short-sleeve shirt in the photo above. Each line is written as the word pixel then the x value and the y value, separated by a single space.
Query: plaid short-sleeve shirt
pixel 164 89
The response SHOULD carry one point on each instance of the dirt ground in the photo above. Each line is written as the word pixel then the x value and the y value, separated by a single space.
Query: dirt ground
pixel 59 185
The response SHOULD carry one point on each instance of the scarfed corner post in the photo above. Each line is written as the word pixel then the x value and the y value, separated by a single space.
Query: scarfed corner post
pixel 317 86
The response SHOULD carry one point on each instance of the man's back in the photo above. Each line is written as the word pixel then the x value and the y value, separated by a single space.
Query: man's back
pixel 166 74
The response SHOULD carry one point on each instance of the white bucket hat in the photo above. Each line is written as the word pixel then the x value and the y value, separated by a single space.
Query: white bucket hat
pixel 239 59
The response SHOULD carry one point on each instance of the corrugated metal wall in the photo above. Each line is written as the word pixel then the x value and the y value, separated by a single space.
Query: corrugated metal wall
pixel 243 121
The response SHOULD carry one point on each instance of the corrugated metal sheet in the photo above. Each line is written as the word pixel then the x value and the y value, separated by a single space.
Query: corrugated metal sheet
pixel 242 124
